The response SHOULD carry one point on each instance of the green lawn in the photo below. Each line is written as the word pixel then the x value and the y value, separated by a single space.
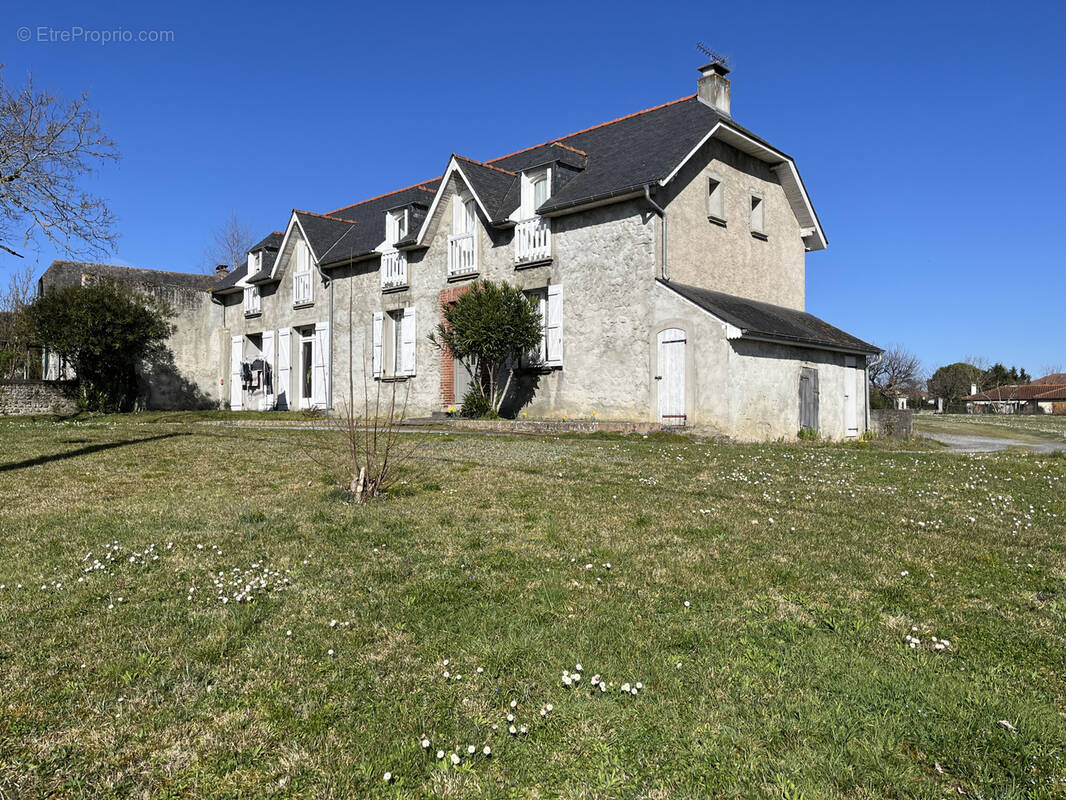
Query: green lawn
pixel 761 595
pixel 1023 427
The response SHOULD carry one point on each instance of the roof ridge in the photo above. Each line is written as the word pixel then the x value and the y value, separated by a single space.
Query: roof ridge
pixel 483 164
pixel 123 266
pixel 559 139
pixel 568 147
pixel 419 185
pixel 324 216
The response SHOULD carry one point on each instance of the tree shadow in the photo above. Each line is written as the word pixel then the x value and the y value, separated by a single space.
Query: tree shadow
pixel 163 387
pixel 83 451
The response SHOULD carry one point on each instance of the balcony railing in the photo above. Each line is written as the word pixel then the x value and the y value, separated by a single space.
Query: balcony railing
pixel 532 240
pixel 302 288
pixel 251 301
pixel 393 269
pixel 462 256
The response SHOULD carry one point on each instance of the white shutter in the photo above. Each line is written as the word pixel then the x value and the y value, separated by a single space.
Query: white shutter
pixel 270 382
pixel 379 318
pixel 408 341
pixel 236 391
pixel 319 364
pixel 282 386
pixel 554 332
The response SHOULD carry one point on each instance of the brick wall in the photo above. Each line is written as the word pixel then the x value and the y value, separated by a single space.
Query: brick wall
pixel 447 363
pixel 35 397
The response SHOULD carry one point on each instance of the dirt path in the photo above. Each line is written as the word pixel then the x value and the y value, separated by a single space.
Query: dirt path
pixel 963 443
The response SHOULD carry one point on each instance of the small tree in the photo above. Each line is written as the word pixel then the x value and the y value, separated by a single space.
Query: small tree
pixel 898 372
pixel 103 330
pixel 489 328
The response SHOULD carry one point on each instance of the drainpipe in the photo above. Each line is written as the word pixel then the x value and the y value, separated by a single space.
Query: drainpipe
pixel 866 373
pixel 662 215
pixel 329 374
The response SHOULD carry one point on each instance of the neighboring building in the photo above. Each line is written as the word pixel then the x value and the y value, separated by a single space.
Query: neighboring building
pixel 1045 395
pixel 666 250
pixel 184 374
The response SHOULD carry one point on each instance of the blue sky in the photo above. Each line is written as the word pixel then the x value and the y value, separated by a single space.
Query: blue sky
pixel 929 134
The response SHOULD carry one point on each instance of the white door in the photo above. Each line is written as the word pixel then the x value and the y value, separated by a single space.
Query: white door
pixel 236 389
pixel 320 361
pixel 671 377
pixel 306 382
pixel 282 386
pixel 851 400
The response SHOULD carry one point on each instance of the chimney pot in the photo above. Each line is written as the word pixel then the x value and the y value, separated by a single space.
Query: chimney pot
pixel 222 270
pixel 713 86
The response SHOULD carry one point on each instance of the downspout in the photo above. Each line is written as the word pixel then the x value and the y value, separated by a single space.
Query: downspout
pixel 662 215
pixel 866 373
pixel 329 374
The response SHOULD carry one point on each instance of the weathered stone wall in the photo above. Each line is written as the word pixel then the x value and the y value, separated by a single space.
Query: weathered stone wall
pixel 892 423
pixel 36 397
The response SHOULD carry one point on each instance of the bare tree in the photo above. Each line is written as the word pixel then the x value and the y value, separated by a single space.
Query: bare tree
pixel 14 336
pixel 46 146
pixel 899 371
pixel 1053 368
pixel 229 245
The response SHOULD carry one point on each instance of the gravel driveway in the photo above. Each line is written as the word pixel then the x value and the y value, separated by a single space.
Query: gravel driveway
pixel 960 443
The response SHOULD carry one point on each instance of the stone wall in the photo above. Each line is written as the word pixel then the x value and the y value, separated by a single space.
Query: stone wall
pixel 892 423
pixel 36 397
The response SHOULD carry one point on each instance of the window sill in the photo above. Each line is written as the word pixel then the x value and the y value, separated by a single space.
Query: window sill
pixel 717 221
pixel 304 304
pixel 251 314
pixel 762 237
pixel 393 378
pixel 538 369
pixel 462 276
pixel 395 289
pixel 538 262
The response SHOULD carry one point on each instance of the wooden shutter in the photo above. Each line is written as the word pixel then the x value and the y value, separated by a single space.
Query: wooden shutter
pixel 408 341
pixel 269 373
pixel 236 391
pixel 379 318
pixel 553 333
pixel 320 365
pixel 281 384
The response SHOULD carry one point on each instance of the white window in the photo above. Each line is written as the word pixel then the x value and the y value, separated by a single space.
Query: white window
pixel 254 263
pixel 395 226
pixel 550 300
pixel 465 215
pixel 757 214
pixel 462 243
pixel 715 200
pixel 251 300
pixel 536 189
pixel 394 343
pixel 302 282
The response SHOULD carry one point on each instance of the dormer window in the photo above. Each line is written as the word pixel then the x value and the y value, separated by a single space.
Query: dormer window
pixel 302 283
pixel 532 242
pixel 255 262
pixel 462 244
pixel 395 226
pixel 757 220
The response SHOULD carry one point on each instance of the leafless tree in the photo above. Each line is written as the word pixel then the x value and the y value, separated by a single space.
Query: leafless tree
pixel 14 338
pixel 229 245
pixel 1054 368
pixel 46 146
pixel 899 371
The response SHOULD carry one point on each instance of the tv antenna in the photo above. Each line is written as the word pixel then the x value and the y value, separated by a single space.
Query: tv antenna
pixel 713 56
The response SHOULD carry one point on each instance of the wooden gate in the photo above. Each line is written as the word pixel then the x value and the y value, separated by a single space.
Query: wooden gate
pixel 808 398
pixel 671 377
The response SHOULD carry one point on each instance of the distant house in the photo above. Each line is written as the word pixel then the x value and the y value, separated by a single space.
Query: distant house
pixel 1045 395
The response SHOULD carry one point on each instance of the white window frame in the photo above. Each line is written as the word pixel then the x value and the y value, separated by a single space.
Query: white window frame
pixel 757 214
pixel 528 205
pixel 252 301
pixel 396 226
pixel 550 353
pixel 394 341
pixel 301 255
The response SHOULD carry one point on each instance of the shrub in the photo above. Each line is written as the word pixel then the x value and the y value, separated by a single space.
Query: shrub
pixel 477 405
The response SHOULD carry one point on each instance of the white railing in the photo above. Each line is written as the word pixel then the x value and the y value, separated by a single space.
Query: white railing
pixel 462 258
pixel 532 239
pixel 393 269
pixel 251 300
pixel 302 288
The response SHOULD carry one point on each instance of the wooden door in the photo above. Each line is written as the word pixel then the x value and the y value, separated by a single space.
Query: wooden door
pixel 851 399
pixel 671 377
pixel 808 398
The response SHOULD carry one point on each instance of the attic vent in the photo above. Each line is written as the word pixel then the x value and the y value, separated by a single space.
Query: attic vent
pixel 713 86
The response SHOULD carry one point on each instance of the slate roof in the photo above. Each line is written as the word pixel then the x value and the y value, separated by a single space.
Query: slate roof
pixel 272 242
pixel 611 159
pixel 229 283
pixel 767 321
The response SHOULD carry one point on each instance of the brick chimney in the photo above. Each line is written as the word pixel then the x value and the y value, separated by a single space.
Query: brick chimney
pixel 221 271
pixel 713 86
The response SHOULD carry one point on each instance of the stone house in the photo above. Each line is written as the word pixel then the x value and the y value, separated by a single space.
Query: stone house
pixel 666 250
pixel 1045 395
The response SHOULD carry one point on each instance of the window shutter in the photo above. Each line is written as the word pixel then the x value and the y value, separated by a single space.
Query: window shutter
pixel 319 361
pixel 408 341
pixel 236 390
pixel 269 376
pixel 284 368
pixel 553 335
pixel 378 324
